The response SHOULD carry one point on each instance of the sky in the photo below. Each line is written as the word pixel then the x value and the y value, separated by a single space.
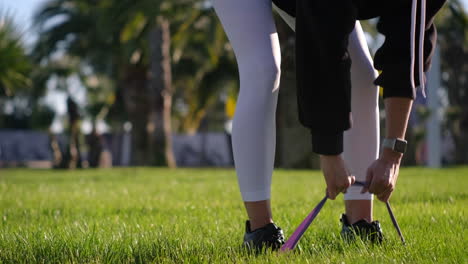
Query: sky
pixel 22 9
pixel 22 12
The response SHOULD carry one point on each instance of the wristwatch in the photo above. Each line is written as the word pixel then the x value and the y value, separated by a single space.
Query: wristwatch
pixel 395 144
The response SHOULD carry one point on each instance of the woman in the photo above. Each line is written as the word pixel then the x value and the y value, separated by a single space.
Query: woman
pixel 251 30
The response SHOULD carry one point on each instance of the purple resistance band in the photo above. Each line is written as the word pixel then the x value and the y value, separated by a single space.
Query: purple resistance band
pixel 294 239
pixel 296 236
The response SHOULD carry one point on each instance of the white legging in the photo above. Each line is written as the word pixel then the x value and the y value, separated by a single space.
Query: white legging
pixel 251 30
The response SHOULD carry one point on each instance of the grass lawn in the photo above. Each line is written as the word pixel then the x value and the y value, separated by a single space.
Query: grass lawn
pixel 141 215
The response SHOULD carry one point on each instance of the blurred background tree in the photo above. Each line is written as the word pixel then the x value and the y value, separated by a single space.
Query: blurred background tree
pixel 14 62
pixel 452 25
pixel 20 104
pixel 167 66
pixel 123 48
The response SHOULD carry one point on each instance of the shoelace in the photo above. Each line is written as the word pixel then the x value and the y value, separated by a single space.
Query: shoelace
pixel 278 234
pixel 300 230
pixel 422 28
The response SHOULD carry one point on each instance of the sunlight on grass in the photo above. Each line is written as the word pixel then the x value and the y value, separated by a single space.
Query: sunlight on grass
pixel 142 215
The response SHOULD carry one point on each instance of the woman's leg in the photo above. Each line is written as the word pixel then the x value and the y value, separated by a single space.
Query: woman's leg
pixel 251 30
pixel 361 142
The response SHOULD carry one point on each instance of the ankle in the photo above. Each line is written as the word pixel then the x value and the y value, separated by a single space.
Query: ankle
pixel 358 209
pixel 259 213
pixel 259 223
pixel 352 219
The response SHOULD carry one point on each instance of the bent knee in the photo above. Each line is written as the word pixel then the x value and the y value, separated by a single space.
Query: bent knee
pixel 265 73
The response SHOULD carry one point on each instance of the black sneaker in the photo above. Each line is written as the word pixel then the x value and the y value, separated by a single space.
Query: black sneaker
pixel 269 236
pixel 367 231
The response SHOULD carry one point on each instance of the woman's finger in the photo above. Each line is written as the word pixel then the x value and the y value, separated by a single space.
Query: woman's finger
pixel 369 177
pixel 353 179
pixel 331 194
pixel 385 196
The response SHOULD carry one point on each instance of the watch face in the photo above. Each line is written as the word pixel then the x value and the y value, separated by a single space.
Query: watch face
pixel 400 146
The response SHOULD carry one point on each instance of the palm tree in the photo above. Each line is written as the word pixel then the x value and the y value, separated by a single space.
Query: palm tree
pixel 107 37
pixel 14 62
pixel 18 86
pixel 204 65
pixel 197 36
pixel 129 42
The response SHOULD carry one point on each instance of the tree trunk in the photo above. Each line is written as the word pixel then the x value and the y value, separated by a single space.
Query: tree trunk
pixel 160 91
pixel 461 139
pixel 134 94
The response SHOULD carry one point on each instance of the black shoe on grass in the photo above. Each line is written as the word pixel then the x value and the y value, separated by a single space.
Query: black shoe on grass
pixel 367 231
pixel 269 236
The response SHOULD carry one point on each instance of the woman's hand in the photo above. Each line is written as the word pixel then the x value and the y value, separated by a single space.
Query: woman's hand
pixel 336 175
pixel 382 175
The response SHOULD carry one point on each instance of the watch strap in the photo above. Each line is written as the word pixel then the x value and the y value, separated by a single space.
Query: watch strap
pixel 395 144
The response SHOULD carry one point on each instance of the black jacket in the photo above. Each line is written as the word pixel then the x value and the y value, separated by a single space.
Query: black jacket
pixel 323 63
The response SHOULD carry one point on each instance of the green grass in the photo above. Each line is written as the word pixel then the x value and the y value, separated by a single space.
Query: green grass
pixel 140 215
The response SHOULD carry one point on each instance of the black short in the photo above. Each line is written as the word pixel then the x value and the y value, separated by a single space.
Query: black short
pixel 289 6
pixel 323 63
